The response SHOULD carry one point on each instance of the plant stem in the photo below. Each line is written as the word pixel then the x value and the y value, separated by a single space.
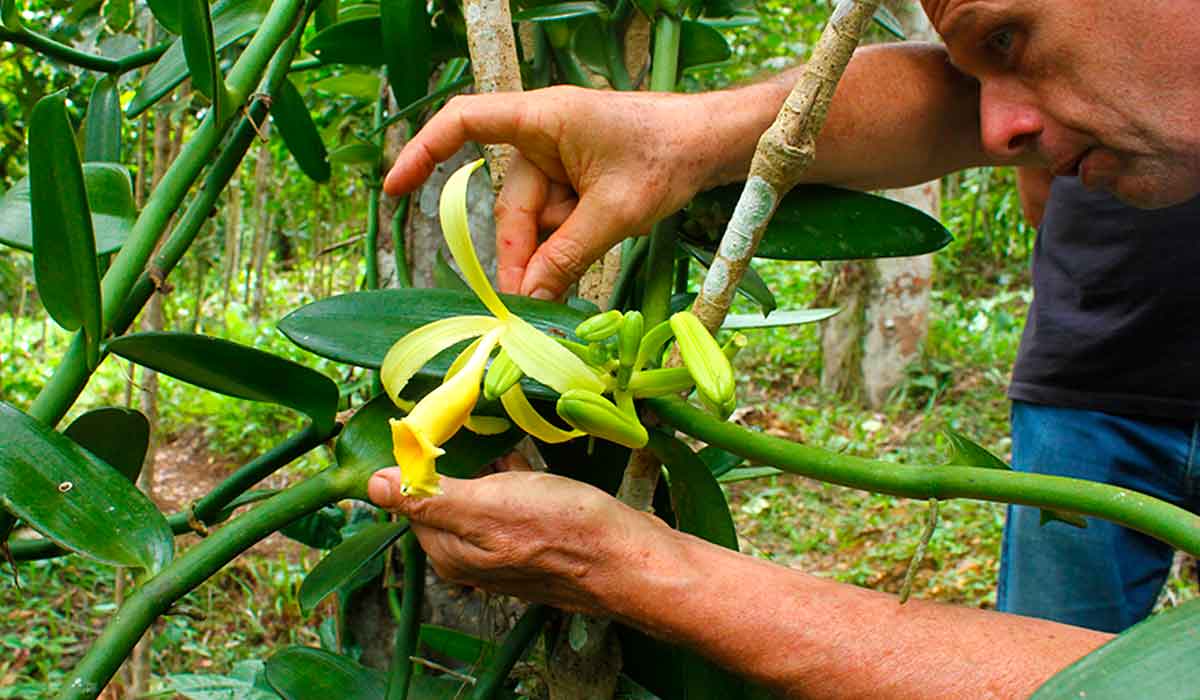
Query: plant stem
pixel 1138 511
pixel 129 266
pixel 664 66
pixel 191 569
pixel 631 263
pixel 409 627
pixel 660 272
pixel 509 653
pixel 403 276
pixel 56 50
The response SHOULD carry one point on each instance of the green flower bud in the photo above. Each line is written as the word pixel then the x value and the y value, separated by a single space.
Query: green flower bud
pixel 600 326
pixel 704 358
pixel 652 383
pixel 628 342
pixel 652 344
pixel 596 415
pixel 501 376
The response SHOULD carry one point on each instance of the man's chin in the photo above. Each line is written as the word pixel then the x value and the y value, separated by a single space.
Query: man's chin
pixel 1147 192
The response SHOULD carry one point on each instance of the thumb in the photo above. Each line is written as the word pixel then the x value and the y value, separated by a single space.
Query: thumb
pixel 584 237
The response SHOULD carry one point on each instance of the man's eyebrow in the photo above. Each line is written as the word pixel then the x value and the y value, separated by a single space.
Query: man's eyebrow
pixel 961 21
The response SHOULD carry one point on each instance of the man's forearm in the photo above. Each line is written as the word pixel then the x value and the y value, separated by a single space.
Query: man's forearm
pixel 806 637
pixel 901 115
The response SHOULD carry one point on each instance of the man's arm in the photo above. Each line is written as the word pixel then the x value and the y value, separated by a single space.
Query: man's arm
pixel 596 167
pixel 554 540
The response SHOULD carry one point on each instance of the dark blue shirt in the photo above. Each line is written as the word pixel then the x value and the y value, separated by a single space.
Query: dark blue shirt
pixel 1115 321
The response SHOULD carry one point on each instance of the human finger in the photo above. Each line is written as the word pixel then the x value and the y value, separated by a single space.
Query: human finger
pixel 517 212
pixel 590 230
pixel 561 200
pixel 446 511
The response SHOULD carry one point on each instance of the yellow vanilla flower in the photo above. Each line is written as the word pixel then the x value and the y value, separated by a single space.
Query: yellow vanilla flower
pixel 417 437
pixel 446 409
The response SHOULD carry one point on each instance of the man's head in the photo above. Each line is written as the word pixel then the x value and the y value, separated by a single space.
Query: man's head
pixel 1108 90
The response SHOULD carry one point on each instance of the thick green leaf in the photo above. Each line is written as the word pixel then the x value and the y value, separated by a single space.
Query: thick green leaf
pixel 470 650
pixel 118 14
pixel 701 45
pixel 64 246
pixel 815 222
pixel 350 42
pixel 207 686
pixel 362 86
pixel 795 317
pixel 346 560
pixel 118 436
pixel 561 10
pixel 752 285
pixel 591 42
pixel 360 153
pixel 408 47
pixel 700 505
pixel 76 500
pixel 303 673
pixel 231 21
pixel 444 276
pixel 967 452
pixel 360 327
pixel 718 461
pixel 326 14
pixel 102 126
pixel 365 445
pixel 200 52
pixel 319 530
pixel 235 370
pixel 889 23
pixel 110 199
pixel 299 133
pixel 1153 659
pixel 747 473
pixel 10 15
pixel 167 14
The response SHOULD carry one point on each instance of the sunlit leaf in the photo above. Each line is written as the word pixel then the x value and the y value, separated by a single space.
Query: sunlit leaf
pixel 794 317
pixel 561 10
pixel 70 496
pixel 64 246
pixel 362 86
pixel 366 154
pixel 234 370
pixel 302 673
pixel 110 200
pixel 346 560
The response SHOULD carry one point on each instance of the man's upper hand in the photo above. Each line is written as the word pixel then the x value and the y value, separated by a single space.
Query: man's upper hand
pixel 592 168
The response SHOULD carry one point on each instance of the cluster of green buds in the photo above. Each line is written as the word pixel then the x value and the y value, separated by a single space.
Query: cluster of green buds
pixel 618 356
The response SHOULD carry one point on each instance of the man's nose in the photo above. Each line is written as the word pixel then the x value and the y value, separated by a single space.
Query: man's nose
pixel 1009 121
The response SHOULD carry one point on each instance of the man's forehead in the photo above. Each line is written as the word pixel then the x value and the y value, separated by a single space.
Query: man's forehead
pixel 952 16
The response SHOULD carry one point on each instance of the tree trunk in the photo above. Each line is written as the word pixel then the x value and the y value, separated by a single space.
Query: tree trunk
pixel 885 303
pixel 231 258
pixel 262 231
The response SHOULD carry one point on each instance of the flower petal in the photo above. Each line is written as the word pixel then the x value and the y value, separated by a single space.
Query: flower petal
pixel 411 352
pixel 440 414
pixel 528 419
pixel 415 456
pixel 540 357
pixel 453 211
pixel 487 425
pixel 463 358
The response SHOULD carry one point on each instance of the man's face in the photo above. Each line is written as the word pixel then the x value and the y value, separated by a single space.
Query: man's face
pixel 1106 90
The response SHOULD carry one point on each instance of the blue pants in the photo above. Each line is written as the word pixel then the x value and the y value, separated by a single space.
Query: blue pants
pixel 1104 577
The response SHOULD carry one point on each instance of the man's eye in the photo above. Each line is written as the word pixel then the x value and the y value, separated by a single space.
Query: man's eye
pixel 1001 41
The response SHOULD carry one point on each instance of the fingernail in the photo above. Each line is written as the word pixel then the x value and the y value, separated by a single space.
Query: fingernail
pixel 379 490
pixel 542 293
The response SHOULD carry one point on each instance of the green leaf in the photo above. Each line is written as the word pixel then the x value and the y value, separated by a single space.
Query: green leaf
pixel 167 14
pixel 408 47
pixel 670 671
pixel 718 461
pixel 102 126
pixel 457 645
pixel 444 276
pixel 118 436
pixel 350 42
pixel 231 21
pixel 64 246
pixel 207 686
pixel 361 86
pixel 76 500
pixel 326 14
pixel 235 370
pixel 319 530
pixel 303 673
pixel 701 45
pixel 700 505
pixel 889 23
pixel 347 559
pixel 815 222
pixel 562 10
pixel 200 52
pixel 366 154
pixel 795 317
pixel 1154 659
pixel 967 452
pixel 118 14
pixel 735 475
pixel 752 285
pixel 110 200
pixel 10 15
pixel 365 444
pixel 299 133
pixel 359 328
